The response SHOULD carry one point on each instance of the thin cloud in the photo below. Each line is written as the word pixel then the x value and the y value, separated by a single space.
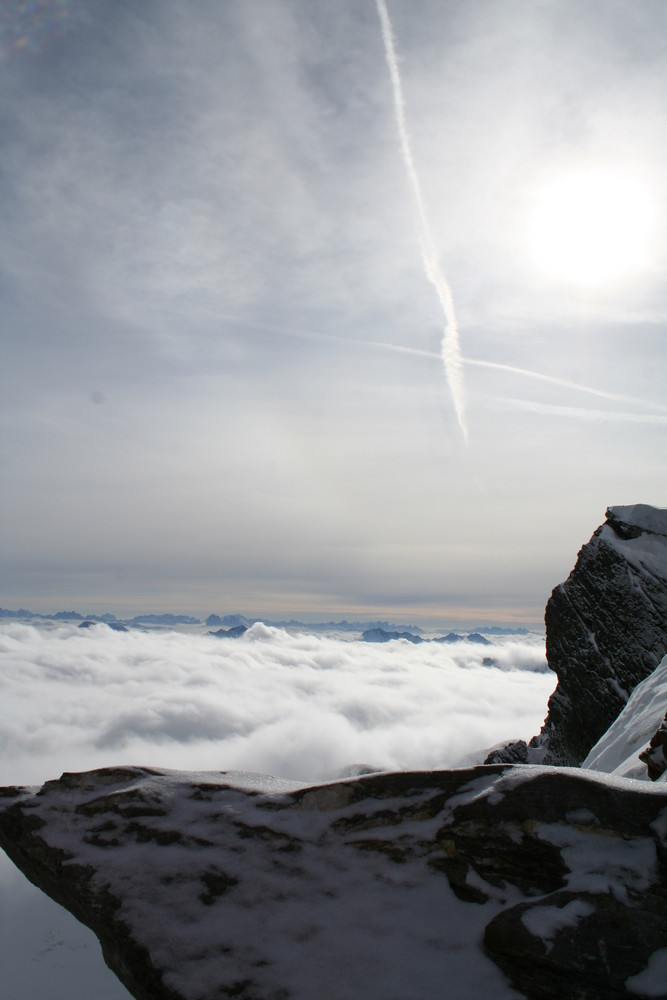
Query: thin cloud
pixel 563 382
pixel 529 373
pixel 579 412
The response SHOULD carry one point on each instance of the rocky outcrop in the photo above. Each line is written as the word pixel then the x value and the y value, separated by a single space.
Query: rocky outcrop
pixel 606 630
pixel 655 754
pixel 235 632
pixel 510 753
pixel 214 885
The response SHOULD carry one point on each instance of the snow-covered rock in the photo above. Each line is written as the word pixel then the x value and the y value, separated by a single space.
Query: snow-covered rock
pixel 404 885
pixel 606 630
pixel 620 750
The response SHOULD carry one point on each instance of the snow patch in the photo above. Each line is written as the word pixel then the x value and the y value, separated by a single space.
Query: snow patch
pixel 652 982
pixel 617 752
pixel 546 921
pixel 643 516
pixel 603 864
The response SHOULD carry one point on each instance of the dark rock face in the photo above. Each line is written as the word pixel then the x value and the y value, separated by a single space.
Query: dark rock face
pixel 606 630
pixel 511 753
pixel 655 754
pixel 552 968
pixel 212 880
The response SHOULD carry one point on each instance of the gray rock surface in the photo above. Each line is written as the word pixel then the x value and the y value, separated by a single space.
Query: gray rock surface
pixel 202 886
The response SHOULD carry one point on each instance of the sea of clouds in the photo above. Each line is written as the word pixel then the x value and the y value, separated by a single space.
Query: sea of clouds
pixel 299 706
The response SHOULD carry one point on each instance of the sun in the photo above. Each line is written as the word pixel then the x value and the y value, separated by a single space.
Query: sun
pixel 592 226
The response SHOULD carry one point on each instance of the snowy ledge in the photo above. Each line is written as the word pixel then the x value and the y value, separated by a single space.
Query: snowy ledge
pixel 503 881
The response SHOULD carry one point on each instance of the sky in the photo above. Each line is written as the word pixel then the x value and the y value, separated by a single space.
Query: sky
pixel 234 235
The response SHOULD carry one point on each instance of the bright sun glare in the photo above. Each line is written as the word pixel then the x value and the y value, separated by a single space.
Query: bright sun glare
pixel 592 226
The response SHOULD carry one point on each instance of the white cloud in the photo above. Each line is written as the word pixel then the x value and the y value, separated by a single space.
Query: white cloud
pixel 580 412
pixel 301 706
pixel 304 706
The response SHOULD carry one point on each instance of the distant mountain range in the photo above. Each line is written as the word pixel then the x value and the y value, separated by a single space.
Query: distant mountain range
pixel 383 635
pixel 107 618
pixel 383 630
pixel 234 621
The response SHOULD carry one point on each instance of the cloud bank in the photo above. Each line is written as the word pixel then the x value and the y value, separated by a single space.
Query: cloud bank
pixel 297 706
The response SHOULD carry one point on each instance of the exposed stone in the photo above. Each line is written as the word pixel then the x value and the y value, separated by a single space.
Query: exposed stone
pixel 587 958
pixel 510 753
pixel 655 755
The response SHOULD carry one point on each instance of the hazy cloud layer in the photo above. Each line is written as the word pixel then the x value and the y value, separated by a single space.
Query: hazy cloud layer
pixel 296 706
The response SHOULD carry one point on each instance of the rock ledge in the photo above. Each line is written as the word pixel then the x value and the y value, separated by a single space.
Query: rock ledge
pixel 210 885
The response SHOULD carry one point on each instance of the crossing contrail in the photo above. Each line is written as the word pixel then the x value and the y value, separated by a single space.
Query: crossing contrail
pixel 579 412
pixel 565 383
pixel 529 373
pixel 450 349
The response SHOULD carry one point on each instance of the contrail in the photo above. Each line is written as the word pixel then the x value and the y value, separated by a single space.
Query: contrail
pixel 450 350
pixel 336 338
pixel 580 413
pixel 565 383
